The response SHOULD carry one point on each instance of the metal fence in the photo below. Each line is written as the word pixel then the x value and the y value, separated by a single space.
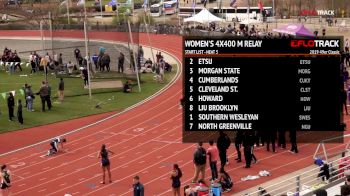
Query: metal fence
pixel 307 182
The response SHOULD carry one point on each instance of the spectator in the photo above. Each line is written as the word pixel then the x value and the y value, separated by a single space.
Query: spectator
pixel 139 189
pixel 347 45
pixel 293 141
pixel 320 192
pixel 238 144
pixel 213 154
pixel 345 189
pixel 127 88
pixel 271 138
pixel 282 139
pixel 19 112
pixel 121 59
pixel 148 63
pixel 29 98
pixel 168 67
pixel 77 54
pixel 95 60
pixel 43 92
pixel 176 174
pixel 70 68
pixel 161 70
pixel 11 106
pixel 61 90
pixel 223 144
pixel 344 163
pixel 344 98
pixel 140 56
pixel 85 76
pixel 60 63
pixel 200 160
pixel 32 63
pixel 48 97
pixel 324 172
pixel 248 145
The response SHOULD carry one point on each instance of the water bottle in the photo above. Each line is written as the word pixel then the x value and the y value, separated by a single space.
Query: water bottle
pixel 211 188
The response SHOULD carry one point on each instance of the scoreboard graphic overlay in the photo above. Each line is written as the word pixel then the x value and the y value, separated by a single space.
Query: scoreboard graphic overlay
pixel 262 84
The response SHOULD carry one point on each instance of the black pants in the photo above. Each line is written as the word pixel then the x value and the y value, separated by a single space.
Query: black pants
pixel 120 68
pixel 20 117
pixel 248 155
pixel 294 147
pixel 253 156
pixel 48 101
pixel 11 112
pixel 53 146
pixel 43 103
pixel 238 150
pixel 273 144
pixel 282 139
pixel 214 170
pixel 223 158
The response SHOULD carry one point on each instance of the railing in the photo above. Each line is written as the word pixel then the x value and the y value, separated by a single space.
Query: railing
pixel 307 182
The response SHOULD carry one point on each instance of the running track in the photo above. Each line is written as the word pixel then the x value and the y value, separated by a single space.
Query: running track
pixel 146 140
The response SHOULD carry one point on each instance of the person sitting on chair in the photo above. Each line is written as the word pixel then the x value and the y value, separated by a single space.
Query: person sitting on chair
pixel 54 145
pixel 127 87
pixel 148 63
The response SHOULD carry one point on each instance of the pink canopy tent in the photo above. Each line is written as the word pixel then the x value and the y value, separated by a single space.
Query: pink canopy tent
pixel 295 29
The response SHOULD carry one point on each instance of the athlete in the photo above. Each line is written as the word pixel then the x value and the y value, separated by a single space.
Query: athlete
pixel 105 163
pixel 54 145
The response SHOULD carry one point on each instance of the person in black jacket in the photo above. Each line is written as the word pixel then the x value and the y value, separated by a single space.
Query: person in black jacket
pixel 19 112
pixel 139 189
pixel 293 141
pixel 199 160
pixel 11 105
pixel 282 139
pixel 238 143
pixel 271 138
pixel 223 144
pixel 248 141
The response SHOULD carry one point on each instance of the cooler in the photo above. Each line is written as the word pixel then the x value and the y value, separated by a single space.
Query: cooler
pixel 108 8
pixel 216 189
pixel 203 191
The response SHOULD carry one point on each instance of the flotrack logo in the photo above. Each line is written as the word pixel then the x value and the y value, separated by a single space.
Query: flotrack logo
pixel 314 43
pixel 325 12
pixel 317 13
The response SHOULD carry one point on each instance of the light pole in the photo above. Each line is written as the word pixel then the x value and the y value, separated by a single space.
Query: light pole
pixel 87 49
pixel 67 3
pixel 134 53
pixel 100 8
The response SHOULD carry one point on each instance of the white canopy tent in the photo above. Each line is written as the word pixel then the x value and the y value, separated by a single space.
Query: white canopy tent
pixel 203 17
